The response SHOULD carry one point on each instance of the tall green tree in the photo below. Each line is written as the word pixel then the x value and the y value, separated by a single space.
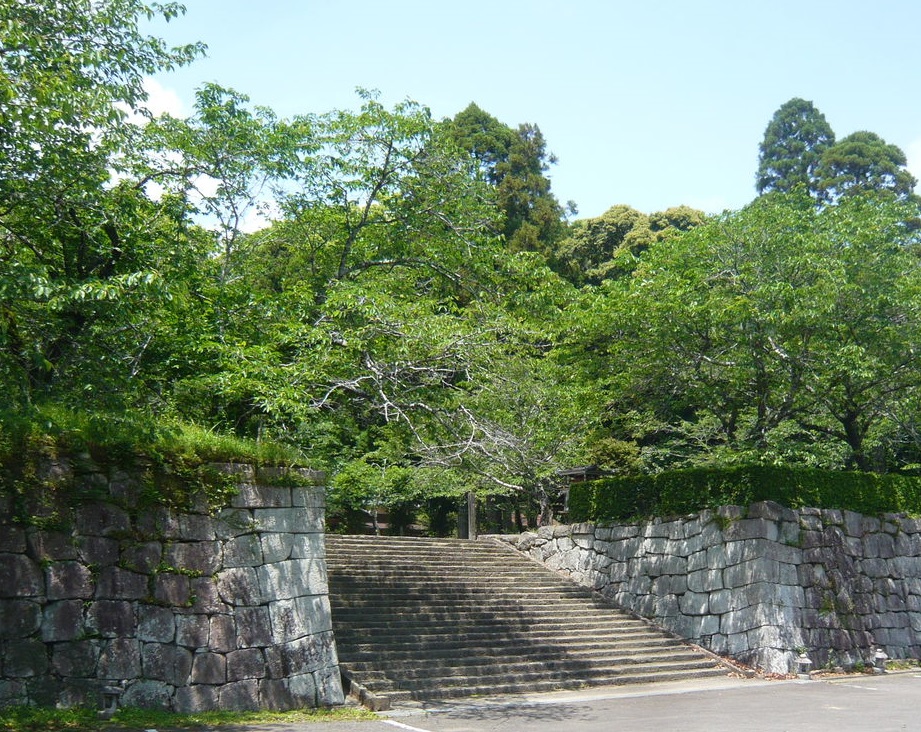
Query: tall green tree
pixel 793 144
pixel 863 162
pixel 83 256
pixel 389 309
pixel 783 332
pixel 515 161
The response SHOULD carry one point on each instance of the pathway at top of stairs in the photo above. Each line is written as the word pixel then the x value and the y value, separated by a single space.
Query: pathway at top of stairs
pixel 426 619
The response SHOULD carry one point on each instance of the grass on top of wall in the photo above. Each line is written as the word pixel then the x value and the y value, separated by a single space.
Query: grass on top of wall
pixel 55 430
pixel 175 461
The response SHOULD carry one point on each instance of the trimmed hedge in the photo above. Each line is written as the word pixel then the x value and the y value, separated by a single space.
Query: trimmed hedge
pixel 695 489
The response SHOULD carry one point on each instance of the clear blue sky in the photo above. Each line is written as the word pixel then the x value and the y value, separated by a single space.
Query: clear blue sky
pixel 652 103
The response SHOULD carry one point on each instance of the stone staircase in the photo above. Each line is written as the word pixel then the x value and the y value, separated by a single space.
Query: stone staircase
pixel 427 619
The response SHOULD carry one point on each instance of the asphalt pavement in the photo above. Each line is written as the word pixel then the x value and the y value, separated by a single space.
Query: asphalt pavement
pixel 882 703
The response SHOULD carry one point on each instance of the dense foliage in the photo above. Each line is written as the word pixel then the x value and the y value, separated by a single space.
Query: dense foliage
pixel 693 489
pixel 402 299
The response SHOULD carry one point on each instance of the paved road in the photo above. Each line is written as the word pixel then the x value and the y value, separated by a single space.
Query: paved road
pixel 880 703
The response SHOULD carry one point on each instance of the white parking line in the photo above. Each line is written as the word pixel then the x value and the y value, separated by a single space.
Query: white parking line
pixel 400 725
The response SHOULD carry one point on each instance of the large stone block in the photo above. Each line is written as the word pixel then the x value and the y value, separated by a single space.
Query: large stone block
pixel 197 698
pixel 126 486
pixel 74 692
pixel 288 520
pixel 756 570
pixel 689 546
pixel 832 517
pixel 694 603
pixel 12 539
pixel 112 618
pixel 716 556
pixel 907 545
pixel 623 550
pixel 657 545
pixel 222 636
pixel 852 523
pixel 645 605
pixel 906 566
pixel 101 551
pixel 206 598
pixel 13 693
pixel 638 584
pixel 240 696
pixel 120 659
pixel 624 531
pixel 250 495
pixel 156 624
pixel 687 626
pixel 697 561
pixel 198 557
pixel 193 631
pixel 159 523
pixel 19 618
pixel 209 668
pixel 723 601
pixel 20 576
pixel 771 511
pixel 253 627
pixel 275 695
pixel 102 519
pixel 277 547
pixel 710 532
pixel 670 584
pixel 75 658
pixel 247 663
pixel 752 528
pixel 705 580
pixel 24 658
pixel 197 527
pixel 666 606
pixel 115 583
pixel 172 589
pixel 230 522
pixel 304 655
pixel 148 694
pixel 62 620
pixel 45 546
pixel 166 662
pixel 300 616
pixel 290 579
pixel 243 551
pixel 875 568
pixel 239 586
pixel 329 687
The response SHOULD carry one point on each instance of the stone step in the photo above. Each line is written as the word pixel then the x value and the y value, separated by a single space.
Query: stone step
pixel 493 644
pixel 435 653
pixel 514 626
pixel 361 639
pixel 603 659
pixel 479 685
pixel 449 618
pixel 470 613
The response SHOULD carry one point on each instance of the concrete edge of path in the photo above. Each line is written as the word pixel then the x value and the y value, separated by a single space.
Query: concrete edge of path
pixel 597 693
pixel 600 693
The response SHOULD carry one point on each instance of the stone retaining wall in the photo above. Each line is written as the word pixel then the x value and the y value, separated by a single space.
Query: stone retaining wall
pixel 187 611
pixel 758 585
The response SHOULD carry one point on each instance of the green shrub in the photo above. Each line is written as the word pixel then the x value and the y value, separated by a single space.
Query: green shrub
pixel 695 489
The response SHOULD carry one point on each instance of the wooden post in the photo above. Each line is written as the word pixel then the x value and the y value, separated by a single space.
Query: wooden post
pixel 471 515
